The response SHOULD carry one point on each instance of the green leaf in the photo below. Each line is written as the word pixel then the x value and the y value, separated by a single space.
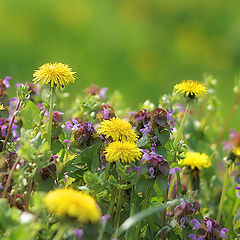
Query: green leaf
pixel 162 136
pixel 144 183
pixel 130 222
pixel 45 185
pixel 143 141
pixel 90 156
pixel 162 182
pixel 236 220
pixel 161 151
pixel 30 115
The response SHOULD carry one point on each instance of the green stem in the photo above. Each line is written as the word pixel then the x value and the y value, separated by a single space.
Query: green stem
pixel 179 132
pixel 107 170
pixel 60 232
pixel 144 206
pixel 225 183
pixel 109 211
pixel 229 116
pixel 52 93
pixel 118 210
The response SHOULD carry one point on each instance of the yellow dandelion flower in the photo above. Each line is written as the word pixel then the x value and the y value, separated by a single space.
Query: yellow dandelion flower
pixel 73 204
pixel 190 89
pixel 196 160
pixel 236 151
pixel 122 151
pixel 117 129
pixel 55 74
pixel 1 106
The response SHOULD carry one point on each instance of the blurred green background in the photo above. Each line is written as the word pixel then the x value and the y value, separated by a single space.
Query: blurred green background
pixel 140 47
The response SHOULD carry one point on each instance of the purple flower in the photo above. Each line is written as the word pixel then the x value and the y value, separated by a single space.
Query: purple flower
pixel 146 130
pixel 182 203
pixel 151 171
pixel 68 143
pixel 145 156
pixel 209 226
pixel 172 171
pixel 106 113
pixel 182 221
pixel 102 92
pixel 222 233
pixel 67 126
pixel 154 144
pixel 238 188
pixel 137 168
pixel 76 124
pixel 196 223
pixel 79 233
pixel 192 236
pixel 105 218
pixel 6 82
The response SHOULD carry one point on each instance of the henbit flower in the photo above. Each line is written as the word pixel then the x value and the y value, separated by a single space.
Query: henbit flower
pixel 122 151
pixel 182 222
pixel 238 188
pixel 191 89
pixel 73 204
pixel 146 130
pixel 1 107
pixel 196 160
pixel 196 223
pixel 55 74
pixel 118 130
pixel 79 234
pixel 6 81
pixel 233 142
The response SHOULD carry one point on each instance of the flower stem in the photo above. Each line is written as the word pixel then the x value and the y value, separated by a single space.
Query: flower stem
pixel 60 232
pixel 144 206
pixel 118 210
pixel 109 211
pixel 10 126
pixel 10 178
pixel 225 182
pixel 233 109
pixel 179 132
pixel 52 93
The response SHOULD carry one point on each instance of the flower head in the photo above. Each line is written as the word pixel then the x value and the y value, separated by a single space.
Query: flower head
pixel 73 204
pixel 196 160
pixel 1 106
pixel 191 89
pixel 118 130
pixel 123 151
pixel 55 74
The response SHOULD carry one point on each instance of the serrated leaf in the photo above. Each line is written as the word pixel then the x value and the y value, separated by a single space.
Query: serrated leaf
pixel 143 141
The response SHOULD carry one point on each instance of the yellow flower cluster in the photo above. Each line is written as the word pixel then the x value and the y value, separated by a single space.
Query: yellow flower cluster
pixel 55 74
pixel 124 147
pixel 196 160
pixel 190 89
pixel 125 151
pixel 118 130
pixel 73 204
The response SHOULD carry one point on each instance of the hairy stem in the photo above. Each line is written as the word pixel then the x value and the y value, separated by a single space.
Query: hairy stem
pixel 179 132
pixel 10 127
pixel 10 178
